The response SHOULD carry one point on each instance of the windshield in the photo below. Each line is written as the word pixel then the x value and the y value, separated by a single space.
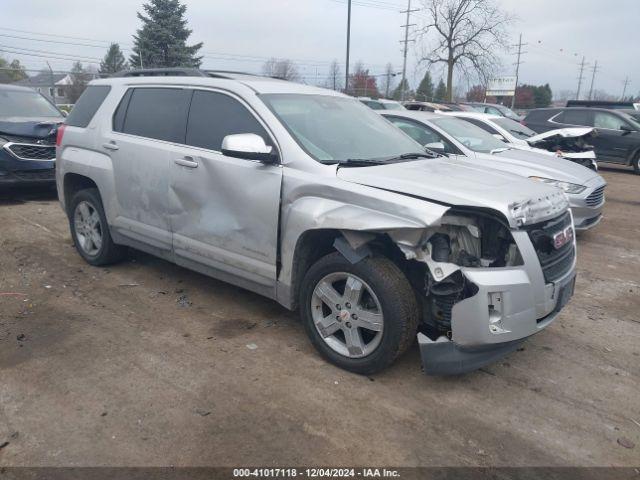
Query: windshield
pixel 333 129
pixel 514 128
pixel 471 136
pixel 16 103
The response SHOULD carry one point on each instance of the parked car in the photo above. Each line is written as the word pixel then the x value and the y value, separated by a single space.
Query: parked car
pixel 617 137
pixel 381 104
pixel 569 143
pixel 308 197
pixel 630 108
pixel 433 106
pixel 494 109
pixel 470 144
pixel 28 123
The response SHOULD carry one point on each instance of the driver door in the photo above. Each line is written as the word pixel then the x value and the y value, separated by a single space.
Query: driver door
pixel 611 143
pixel 224 211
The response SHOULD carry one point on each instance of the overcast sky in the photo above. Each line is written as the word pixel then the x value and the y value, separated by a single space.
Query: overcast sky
pixel 242 34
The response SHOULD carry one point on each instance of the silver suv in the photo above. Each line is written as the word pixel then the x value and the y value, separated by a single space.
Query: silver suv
pixel 310 198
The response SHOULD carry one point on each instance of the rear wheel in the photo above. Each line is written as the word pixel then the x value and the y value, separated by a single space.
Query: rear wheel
pixel 359 317
pixel 636 163
pixel 90 231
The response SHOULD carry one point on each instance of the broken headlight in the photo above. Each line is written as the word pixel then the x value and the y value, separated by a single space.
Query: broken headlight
pixel 566 187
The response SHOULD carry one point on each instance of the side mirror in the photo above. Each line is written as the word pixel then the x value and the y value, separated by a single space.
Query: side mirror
pixel 436 147
pixel 626 129
pixel 248 146
pixel 499 137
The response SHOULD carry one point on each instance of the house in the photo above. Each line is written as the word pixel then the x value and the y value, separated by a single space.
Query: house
pixel 52 85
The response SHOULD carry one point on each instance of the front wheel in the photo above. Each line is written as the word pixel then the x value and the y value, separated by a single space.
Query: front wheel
pixel 636 163
pixel 360 317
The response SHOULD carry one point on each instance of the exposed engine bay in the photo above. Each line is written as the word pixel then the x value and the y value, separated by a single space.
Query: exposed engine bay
pixel 461 241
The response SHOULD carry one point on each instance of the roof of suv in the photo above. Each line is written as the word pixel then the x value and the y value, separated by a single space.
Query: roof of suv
pixel 211 78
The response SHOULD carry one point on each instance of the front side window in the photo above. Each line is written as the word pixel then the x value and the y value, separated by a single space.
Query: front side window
pixel 214 115
pixel 607 120
pixel 515 128
pixel 158 113
pixel 474 138
pixel 332 129
pixel 26 103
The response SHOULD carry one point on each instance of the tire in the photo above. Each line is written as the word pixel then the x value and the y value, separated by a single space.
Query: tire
pixel 636 163
pixel 384 289
pixel 95 253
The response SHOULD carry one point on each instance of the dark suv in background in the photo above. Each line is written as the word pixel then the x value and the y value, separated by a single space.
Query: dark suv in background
pixel 28 125
pixel 618 134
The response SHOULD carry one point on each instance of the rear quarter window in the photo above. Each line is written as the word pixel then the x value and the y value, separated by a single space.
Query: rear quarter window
pixel 87 105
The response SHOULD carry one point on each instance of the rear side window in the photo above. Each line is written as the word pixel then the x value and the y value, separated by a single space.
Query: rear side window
pixel 573 117
pixel 213 116
pixel 159 113
pixel 87 105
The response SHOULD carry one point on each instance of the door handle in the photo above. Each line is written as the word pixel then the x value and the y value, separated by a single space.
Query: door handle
pixel 188 162
pixel 110 145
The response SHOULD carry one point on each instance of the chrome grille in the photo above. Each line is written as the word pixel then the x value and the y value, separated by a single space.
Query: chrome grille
pixel 596 197
pixel 30 151
pixel 555 263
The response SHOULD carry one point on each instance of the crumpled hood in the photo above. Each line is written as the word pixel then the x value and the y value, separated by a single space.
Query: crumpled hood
pixel 456 183
pixel 532 164
pixel 560 133
pixel 43 127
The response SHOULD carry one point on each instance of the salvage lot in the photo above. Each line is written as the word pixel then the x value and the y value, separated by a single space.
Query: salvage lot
pixel 146 363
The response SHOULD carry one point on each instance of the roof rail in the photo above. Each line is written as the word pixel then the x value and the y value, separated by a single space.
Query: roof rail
pixel 161 72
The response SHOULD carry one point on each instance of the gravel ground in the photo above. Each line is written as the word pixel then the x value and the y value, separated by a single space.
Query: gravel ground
pixel 146 363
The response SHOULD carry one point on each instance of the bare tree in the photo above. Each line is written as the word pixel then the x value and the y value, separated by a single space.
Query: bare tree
pixel 334 80
pixel 468 34
pixel 281 68
pixel 387 80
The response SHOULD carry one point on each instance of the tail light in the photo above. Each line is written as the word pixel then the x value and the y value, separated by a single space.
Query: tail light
pixel 59 135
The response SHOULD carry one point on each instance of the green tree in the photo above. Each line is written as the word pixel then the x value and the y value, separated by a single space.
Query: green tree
pixel 542 96
pixel 113 61
pixel 425 89
pixel 162 40
pixel 403 85
pixel 79 80
pixel 441 92
pixel 11 72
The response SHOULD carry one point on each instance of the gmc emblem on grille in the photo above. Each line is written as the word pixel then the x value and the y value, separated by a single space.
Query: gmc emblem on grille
pixel 560 239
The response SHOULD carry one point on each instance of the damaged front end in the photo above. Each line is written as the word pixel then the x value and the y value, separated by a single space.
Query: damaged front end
pixel 483 286
pixel 569 143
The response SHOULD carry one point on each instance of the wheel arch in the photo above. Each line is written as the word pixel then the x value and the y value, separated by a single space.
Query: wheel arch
pixel 72 184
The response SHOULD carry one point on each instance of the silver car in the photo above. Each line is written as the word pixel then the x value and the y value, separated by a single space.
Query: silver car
pixel 310 198
pixel 468 143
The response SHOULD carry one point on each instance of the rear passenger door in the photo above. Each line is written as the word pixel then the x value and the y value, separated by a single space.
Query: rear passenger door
pixel 148 121
pixel 224 210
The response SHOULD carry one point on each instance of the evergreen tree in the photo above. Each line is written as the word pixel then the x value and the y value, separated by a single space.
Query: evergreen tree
pixel 113 61
pixel 397 93
pixel 425 89
pixel 441 92
pixel 162 40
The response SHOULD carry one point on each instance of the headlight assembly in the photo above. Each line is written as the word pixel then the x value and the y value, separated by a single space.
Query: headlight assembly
pixel 564 186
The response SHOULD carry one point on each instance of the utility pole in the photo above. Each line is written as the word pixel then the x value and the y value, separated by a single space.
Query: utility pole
pixel 593 77
pixel 346 70
pixel 403 82
pixel 582 64
pixel 53 84
pixel 520 52
pixel 624 89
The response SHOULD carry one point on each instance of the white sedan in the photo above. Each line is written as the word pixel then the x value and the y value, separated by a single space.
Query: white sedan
pixel 569 143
